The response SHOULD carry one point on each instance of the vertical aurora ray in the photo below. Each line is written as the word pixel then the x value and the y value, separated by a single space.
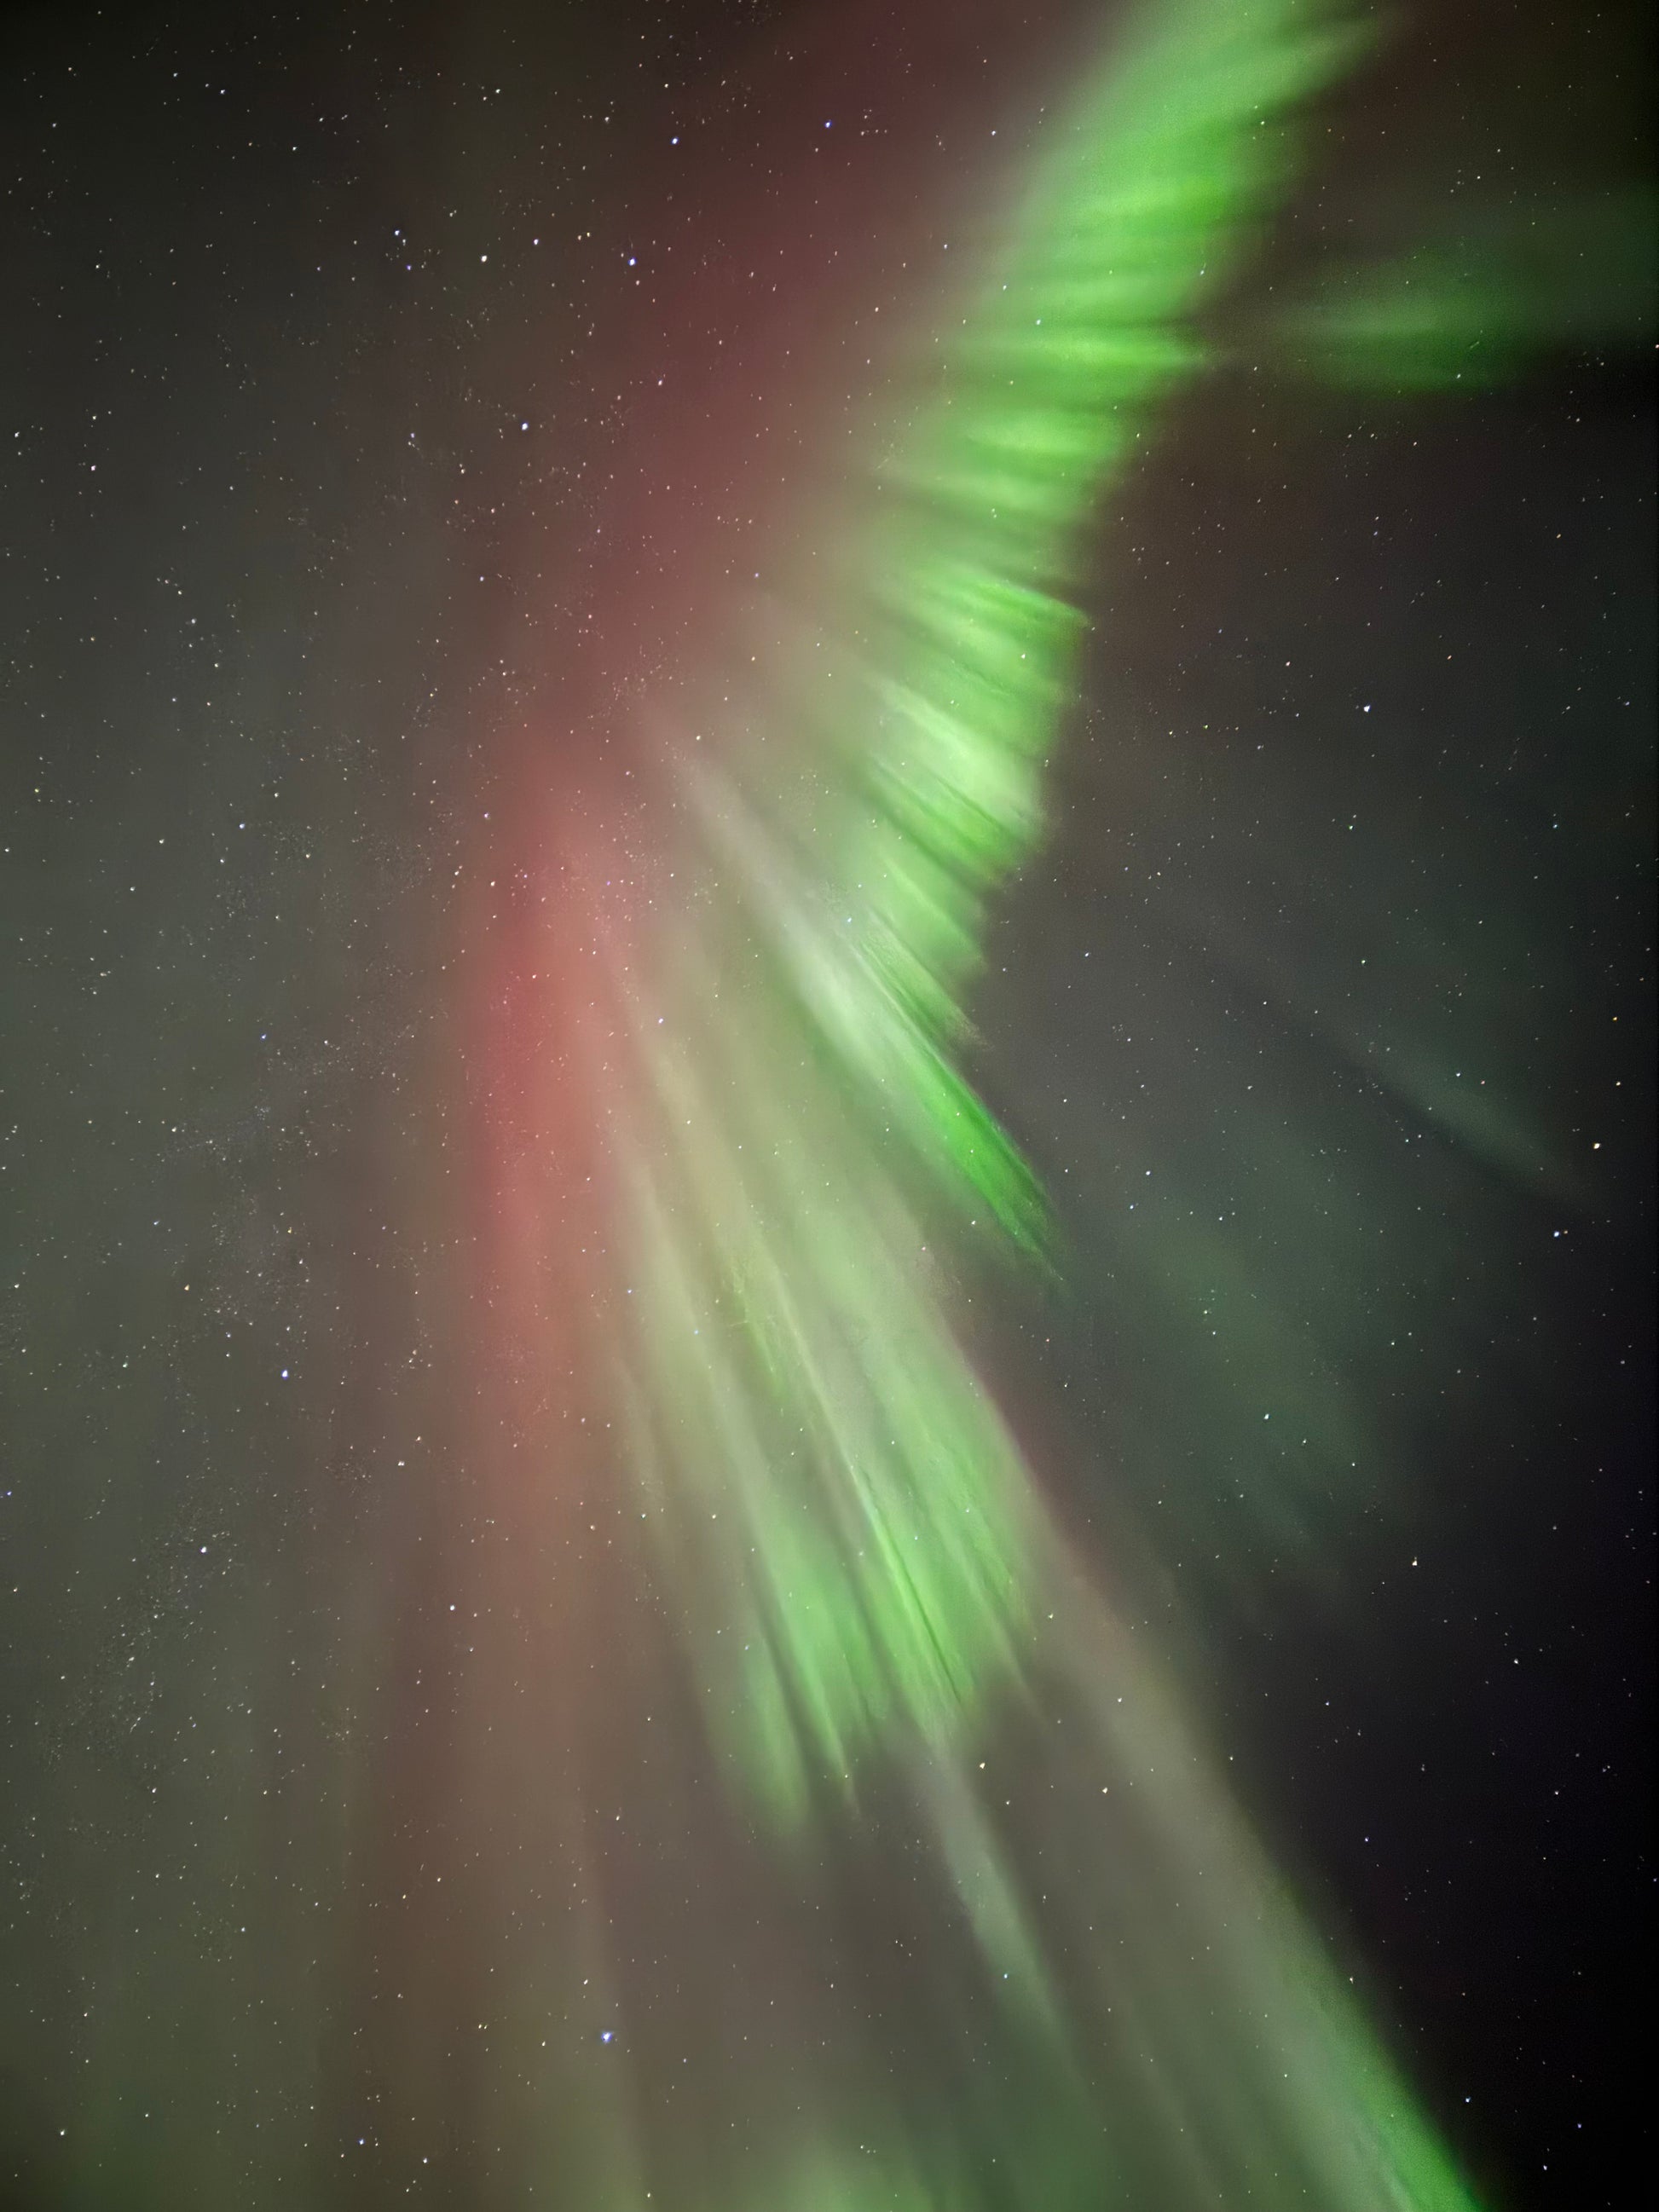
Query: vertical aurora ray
pixel 873 1598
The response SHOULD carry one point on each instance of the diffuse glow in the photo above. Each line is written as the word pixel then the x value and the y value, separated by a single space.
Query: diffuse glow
pixel 1464 310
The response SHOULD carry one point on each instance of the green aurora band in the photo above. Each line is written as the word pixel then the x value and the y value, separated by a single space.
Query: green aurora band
pixel 876 1602
pixel 1466 309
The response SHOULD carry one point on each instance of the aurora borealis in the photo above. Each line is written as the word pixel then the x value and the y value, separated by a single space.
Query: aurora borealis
pixel 829 1069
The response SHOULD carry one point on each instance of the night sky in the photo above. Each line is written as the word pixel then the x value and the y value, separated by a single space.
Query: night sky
pixel 396 401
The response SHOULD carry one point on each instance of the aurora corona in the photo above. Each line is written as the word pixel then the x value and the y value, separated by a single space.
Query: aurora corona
pixel 873 1598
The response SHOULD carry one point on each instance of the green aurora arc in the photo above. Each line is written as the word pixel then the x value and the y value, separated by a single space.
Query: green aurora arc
pixel 873 1597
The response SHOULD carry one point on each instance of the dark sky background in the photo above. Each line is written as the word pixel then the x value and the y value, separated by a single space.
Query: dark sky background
pixel 385 390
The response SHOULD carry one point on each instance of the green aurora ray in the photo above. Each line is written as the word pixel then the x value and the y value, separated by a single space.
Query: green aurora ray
pixel 874 1599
